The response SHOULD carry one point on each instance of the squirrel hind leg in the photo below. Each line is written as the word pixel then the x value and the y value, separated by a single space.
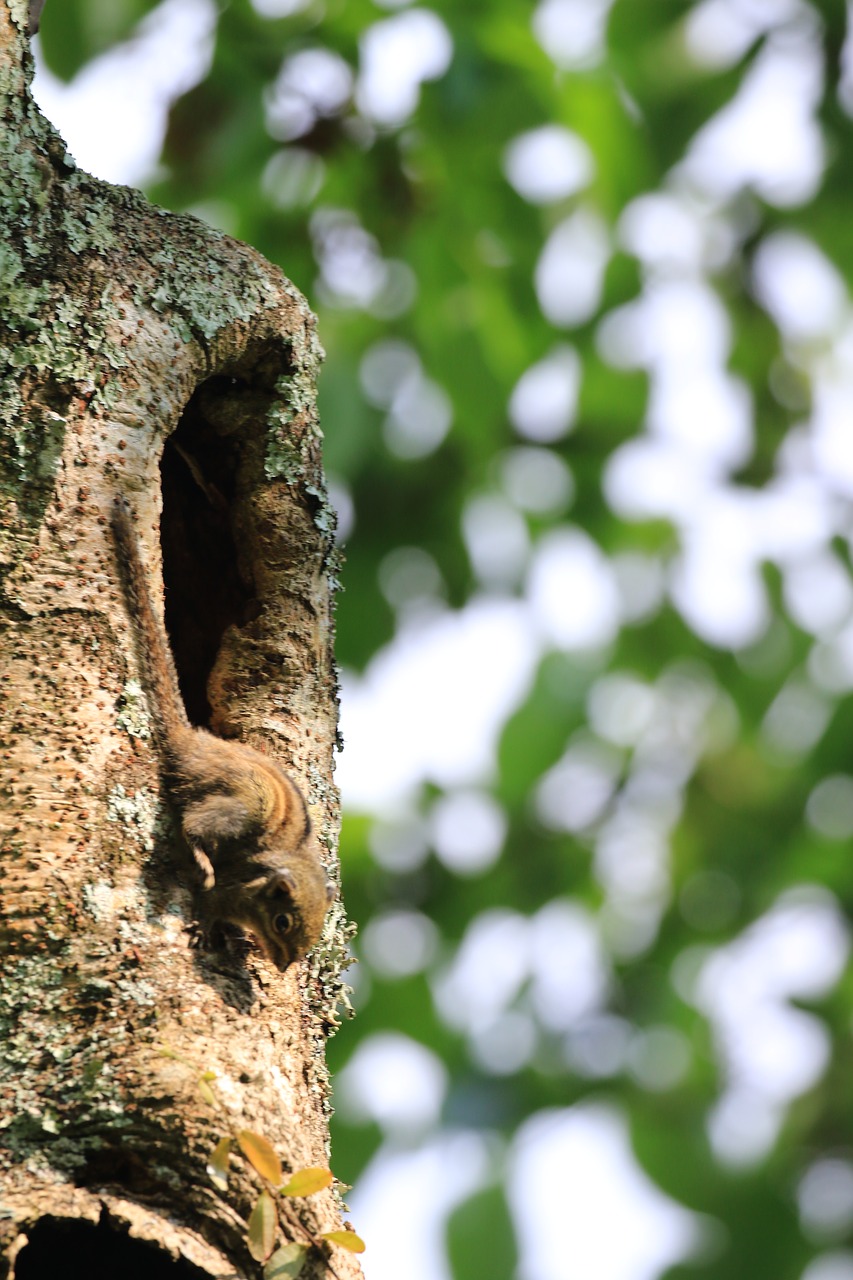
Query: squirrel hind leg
pixel 212 822
pixel 205 866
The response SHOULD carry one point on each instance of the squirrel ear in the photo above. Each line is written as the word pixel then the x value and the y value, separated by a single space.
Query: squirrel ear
pixel 282 881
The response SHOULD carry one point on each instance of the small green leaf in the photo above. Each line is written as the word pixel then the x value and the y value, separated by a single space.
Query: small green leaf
pixel 217 1165
pixel 262 1227
pixel 205 1089
pixel 346 1239
pixel 260 1155
pixel 304 1182
pixel 286 1263
pixel 166 1051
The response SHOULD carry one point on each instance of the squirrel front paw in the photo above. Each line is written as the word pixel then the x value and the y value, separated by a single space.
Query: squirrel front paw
pixel 220 936
pixel 197 936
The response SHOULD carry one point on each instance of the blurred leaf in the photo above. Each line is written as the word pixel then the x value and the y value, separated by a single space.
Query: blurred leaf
pixel 260 1155
pixel 217 1165
pixel 480 1237
pixel 536 735
pixel 306 1181
pixel 346 1239
pixel 263 1223
pixel 205 1089
pixel 166 1051
pixel 73 31
pixel 286 1263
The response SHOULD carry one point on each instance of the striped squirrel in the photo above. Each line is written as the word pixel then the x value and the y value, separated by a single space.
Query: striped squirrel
pixel 244 819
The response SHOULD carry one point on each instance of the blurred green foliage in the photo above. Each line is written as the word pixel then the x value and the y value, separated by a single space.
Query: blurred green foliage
pixel 432 193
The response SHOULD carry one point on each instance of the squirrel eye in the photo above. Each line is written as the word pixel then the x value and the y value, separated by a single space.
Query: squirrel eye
pixel 283 922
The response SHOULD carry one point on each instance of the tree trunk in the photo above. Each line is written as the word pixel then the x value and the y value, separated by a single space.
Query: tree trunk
pixel 144 354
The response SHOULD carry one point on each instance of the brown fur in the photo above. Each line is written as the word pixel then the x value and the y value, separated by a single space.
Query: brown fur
pixel 242 816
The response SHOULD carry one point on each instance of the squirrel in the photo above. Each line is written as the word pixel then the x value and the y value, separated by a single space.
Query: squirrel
pixel 244 819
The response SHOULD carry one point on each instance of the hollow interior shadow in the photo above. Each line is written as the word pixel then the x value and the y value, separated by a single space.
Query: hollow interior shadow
pixel 211 460
pixel 84 1251
pixel 207 589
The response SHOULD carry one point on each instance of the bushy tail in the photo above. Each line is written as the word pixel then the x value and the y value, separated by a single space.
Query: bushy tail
pixel 163 694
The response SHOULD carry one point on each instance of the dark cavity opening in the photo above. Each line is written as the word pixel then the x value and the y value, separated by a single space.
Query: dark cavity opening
pixel 208 588
pixel 83 1251
pixel 214 455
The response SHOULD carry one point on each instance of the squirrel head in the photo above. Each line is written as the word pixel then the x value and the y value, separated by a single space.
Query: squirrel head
pixel 285 911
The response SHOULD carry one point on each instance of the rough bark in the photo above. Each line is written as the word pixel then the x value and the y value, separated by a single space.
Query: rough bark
pixel 145 354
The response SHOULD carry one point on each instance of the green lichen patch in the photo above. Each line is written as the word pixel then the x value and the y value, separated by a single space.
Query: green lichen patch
pixel 137 812
pixel 296 399
pixel 133 714
pixel 40 1004
pixel 197 286
pixel 328 963
pixel 94 228
pixel 34 438
pixel 284 460
pixel 325 516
